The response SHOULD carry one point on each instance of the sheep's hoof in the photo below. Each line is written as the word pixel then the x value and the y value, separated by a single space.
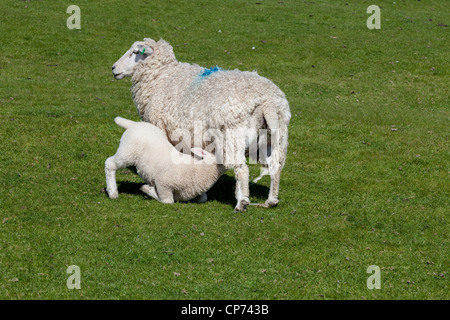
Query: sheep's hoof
pixel 242 205
pixel 268 204
pixel 113 195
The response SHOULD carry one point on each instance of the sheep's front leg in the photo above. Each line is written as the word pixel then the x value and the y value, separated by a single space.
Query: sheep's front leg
pixel 242 187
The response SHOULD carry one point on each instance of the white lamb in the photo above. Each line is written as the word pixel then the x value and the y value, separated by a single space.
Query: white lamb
pixel 173 95
pixel 170 175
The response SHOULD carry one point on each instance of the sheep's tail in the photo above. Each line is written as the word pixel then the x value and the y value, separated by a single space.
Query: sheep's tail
pixel 277 120
pixel 122 122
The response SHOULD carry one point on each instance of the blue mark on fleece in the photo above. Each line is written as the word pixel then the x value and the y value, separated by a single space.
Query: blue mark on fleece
pixel 202 76
pixel 207 72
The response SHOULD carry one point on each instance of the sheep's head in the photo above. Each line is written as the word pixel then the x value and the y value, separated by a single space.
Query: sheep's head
pixel 140 50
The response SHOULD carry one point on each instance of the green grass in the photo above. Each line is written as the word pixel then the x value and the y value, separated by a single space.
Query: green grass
pixel 365 183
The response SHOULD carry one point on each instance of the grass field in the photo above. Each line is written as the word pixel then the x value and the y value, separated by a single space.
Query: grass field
pixel 366 180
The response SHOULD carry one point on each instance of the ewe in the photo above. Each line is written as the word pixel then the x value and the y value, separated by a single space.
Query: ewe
pixel 173 95
pixel 170 175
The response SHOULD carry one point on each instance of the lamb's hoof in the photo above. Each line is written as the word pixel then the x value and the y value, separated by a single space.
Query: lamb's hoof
pixel 242 205
pixel 145 188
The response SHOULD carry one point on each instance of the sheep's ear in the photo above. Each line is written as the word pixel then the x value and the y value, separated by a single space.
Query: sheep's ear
pixel 199 152
pixel 143 48
pixel 150 42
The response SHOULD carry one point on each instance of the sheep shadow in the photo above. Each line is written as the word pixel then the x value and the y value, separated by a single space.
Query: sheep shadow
pixel 222 191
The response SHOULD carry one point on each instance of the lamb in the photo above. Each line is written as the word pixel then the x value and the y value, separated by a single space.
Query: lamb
pixel 173 95
pixel 169 175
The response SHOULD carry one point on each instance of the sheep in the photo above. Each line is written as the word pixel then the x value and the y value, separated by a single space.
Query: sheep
pixel 173 95
pixel 169 175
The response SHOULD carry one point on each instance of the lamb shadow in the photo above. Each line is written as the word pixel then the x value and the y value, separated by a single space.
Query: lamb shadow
pixel 129 187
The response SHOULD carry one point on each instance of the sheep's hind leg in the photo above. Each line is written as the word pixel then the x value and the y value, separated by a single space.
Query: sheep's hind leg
pixel 242 188
pixel 270 167
pixel 272 201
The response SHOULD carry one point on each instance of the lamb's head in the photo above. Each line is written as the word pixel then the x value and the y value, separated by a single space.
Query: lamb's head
pixel 140 50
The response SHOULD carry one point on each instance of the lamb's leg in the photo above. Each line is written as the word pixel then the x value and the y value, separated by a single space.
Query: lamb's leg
pixel 162 194
pixel 110 172
pixel 242 189
pixel 112 164
pixel 265 161
pixel 264 172
pixel 165 194
pixel 150 191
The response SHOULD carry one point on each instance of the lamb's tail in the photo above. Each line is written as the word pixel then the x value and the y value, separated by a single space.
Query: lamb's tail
pixel 122 122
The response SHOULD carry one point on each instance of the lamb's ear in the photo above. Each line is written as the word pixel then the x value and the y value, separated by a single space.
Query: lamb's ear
pixel 199 153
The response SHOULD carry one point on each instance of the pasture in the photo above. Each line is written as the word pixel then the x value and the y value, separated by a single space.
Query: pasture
pixel 366 180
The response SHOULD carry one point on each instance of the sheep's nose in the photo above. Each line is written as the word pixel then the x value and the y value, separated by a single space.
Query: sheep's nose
pixel 113 67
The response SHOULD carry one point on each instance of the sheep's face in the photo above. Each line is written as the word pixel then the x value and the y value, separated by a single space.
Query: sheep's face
pixel 124 67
